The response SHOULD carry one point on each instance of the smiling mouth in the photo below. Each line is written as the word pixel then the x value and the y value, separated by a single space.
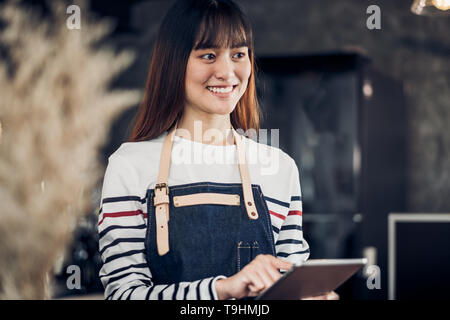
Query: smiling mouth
pixel 221 90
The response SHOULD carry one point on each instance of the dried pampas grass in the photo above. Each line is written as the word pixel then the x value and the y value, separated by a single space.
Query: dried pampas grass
pixel 55 109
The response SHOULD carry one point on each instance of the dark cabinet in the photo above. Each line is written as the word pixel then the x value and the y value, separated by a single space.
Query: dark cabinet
pixel 344 124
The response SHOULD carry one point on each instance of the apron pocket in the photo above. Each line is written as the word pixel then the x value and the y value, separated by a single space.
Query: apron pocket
pixel 246 252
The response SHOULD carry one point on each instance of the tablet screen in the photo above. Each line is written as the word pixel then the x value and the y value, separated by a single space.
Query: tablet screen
pixel 312 278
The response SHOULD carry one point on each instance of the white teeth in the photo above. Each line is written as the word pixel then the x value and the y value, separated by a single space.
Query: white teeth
pixel 220 90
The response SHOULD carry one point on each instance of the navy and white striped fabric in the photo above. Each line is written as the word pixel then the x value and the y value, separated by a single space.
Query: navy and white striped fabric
pixel 133 169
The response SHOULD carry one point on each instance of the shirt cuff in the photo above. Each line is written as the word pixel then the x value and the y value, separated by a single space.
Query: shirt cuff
pixel 213 287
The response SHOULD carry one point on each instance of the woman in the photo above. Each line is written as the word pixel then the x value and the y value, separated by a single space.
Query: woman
pixel 208 229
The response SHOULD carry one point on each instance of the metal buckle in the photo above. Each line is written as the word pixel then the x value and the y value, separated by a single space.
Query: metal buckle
pixel 162 185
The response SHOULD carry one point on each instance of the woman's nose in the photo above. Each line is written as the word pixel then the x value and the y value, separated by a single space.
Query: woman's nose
pixel 224 68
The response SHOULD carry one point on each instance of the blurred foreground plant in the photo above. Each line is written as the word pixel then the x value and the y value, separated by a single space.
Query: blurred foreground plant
pixel 56 109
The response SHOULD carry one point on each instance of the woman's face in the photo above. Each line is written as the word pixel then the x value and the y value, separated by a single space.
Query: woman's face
pixel 216 79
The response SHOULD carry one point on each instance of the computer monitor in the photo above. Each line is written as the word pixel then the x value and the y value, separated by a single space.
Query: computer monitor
pixel 419 256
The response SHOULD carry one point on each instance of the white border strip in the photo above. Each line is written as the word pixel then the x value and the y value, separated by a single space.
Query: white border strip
pixel 334 262
pixel 393 218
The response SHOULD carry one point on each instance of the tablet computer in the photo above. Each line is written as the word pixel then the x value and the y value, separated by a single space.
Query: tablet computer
pixel 312 278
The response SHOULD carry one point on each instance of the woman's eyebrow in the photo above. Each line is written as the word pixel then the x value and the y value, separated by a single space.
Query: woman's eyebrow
pixel 218 47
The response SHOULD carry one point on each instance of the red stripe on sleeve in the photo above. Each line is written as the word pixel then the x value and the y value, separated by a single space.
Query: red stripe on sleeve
pixel 122 214
pixel 295 212
pixel 277 215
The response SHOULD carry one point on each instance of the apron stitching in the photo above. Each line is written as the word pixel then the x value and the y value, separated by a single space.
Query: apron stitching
pixel 268 223
pixel 255 245
pixel 238 259
pixel 202 185
pixel 149 224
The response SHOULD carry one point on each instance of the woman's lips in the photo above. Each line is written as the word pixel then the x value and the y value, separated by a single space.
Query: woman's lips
pixel 222 94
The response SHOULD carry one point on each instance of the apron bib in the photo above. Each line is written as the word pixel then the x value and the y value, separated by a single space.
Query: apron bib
pixel 204 229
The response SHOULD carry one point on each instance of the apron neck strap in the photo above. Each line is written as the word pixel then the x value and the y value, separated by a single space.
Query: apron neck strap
pixel 164 167
pixel 162 200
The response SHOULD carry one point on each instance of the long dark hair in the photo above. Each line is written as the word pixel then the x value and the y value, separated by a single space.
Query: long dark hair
pixel 188 25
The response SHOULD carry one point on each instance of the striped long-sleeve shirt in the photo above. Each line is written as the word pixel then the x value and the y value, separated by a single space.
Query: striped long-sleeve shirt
pixel 133 169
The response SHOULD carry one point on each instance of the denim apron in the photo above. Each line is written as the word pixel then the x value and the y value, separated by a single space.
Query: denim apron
pixel 204 229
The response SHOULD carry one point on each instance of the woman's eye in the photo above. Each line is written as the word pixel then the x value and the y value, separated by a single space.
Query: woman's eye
pixel 211 56
pixel 208 55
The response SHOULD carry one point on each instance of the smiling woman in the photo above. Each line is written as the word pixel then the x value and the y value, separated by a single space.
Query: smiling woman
pixel 195 40
pixel 209 229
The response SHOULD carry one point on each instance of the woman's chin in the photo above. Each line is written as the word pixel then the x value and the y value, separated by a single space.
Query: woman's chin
pixel 221 109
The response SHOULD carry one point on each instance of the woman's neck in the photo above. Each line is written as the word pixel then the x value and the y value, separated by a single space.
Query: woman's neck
pixel 214 131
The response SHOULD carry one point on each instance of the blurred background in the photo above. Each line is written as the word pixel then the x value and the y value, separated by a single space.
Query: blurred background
pixel 364 112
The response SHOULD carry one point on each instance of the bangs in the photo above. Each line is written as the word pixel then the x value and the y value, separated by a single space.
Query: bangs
pixel 222 28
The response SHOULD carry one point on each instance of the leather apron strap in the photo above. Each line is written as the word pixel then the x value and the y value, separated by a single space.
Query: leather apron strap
pixel 161 200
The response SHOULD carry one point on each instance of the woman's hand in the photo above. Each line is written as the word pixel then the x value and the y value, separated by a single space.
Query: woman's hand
pixel 254 278
pixel 328 296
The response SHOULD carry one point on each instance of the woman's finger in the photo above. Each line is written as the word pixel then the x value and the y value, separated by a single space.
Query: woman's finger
pixel 266 268
pixel 332 296
pixel 328 296
pixel 265 276
pixel 263 272
pixel 255 283
pixel 273 272
pixel 281 264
